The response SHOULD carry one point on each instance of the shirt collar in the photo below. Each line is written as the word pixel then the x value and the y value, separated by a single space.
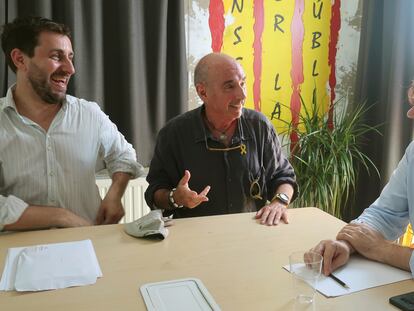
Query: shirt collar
pixel 9 102
pixel 201 131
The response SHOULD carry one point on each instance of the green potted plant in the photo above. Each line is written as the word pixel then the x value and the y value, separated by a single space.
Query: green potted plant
pixel 327 158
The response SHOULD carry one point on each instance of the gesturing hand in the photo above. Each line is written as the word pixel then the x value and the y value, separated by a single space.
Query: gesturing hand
pixel 183 195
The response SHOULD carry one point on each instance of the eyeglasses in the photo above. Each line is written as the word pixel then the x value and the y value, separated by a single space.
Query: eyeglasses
pixel 255 190
pixel 241 146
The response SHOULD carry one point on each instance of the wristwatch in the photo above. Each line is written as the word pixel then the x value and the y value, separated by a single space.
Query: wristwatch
pixel 171 201
pixel 282 198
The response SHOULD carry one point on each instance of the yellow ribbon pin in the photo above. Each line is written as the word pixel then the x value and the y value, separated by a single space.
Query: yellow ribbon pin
pixel 243 149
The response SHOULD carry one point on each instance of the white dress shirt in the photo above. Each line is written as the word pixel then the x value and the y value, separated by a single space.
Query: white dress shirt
pixel 394 208
pixel 57 167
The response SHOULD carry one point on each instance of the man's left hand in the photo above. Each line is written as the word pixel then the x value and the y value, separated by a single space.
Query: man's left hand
pixel 110 212
pixel 272 213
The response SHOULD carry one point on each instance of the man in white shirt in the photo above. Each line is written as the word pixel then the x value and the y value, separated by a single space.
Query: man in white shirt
pixel 373 233
pixel 51 143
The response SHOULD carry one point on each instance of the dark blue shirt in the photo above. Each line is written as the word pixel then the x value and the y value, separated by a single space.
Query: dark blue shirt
pixel 183 145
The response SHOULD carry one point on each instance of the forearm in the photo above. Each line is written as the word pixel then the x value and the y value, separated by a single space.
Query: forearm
pixel 394 255
pixel 372 244
pixel 161 199
pixel 119 183
pixel 42 217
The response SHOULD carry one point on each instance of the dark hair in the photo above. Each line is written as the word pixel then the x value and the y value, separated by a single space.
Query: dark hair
pixel 23 34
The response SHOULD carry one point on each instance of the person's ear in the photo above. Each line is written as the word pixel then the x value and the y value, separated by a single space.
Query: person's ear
pixel 201 91
pixel 19 59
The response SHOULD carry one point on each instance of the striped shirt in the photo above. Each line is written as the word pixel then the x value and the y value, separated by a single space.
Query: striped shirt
pixel 57 167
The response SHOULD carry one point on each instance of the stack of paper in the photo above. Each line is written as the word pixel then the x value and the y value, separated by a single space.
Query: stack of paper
pixel 359 274
pixel 50 266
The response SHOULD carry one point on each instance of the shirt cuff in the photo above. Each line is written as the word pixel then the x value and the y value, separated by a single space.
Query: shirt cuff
pixel 11 210
pixel 133 168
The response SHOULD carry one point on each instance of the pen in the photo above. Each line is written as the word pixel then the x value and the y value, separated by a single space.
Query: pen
pixel 340 282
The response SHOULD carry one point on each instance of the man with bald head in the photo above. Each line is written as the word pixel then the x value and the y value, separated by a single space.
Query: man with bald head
pixel 220 158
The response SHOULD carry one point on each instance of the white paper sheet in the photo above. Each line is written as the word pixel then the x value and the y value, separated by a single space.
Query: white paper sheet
pixel 359 274
pixel 50 266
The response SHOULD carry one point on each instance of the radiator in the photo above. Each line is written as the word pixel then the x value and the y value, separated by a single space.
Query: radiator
pixel 133 199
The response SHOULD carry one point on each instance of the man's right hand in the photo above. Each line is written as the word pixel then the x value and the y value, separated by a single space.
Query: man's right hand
pixel 183 195
pixel 335 254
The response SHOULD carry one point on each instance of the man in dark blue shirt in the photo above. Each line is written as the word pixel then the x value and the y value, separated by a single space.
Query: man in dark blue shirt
pixel 221 149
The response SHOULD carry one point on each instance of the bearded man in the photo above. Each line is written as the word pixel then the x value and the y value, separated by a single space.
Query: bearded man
pixel 51 143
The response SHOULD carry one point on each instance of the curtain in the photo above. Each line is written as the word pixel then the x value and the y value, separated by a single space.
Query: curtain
pixel 129 58
pixel 385 70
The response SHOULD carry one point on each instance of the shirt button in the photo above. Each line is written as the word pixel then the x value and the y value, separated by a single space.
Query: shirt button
pixel 229 179
pixel 51 174
pixel 231 205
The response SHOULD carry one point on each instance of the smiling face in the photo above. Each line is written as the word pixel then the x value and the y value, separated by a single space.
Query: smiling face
pixel 224 88
pixel 51 67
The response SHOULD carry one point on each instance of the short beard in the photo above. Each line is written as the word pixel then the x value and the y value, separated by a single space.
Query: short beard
pixel 42 89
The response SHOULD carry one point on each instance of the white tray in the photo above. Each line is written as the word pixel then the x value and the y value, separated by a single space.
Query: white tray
pixel 178 295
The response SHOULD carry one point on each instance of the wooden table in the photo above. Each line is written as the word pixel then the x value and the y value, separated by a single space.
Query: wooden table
pixel 238 260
